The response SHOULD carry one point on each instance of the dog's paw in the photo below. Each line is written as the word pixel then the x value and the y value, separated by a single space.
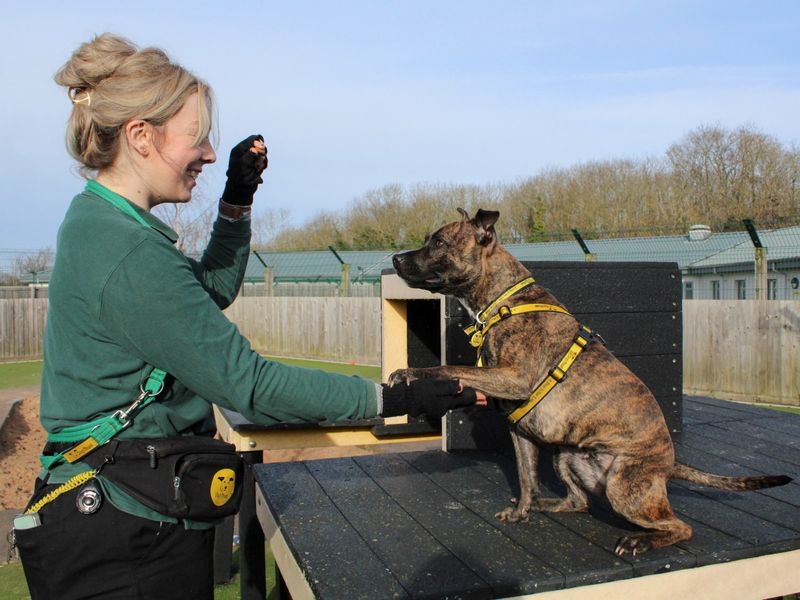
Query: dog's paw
pixel 512 514
pixel 401 376
pixel 632 544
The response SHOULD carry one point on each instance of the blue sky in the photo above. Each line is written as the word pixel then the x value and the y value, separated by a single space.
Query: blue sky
pixel 354 95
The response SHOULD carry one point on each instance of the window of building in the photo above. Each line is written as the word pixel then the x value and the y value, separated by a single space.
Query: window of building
pixel 741 289
pixel 772 289
pixel 688 290
pixel 716 289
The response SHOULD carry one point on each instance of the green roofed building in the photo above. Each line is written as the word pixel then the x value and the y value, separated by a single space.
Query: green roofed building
pixel 715 265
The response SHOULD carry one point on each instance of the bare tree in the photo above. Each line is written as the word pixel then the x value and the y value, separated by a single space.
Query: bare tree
pixel 34 263
pixel 191 221
pixel 267 224
pixel 713 175
pixel 722 175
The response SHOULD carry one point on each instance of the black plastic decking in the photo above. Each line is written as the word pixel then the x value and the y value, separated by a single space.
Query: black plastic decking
pixel 422 525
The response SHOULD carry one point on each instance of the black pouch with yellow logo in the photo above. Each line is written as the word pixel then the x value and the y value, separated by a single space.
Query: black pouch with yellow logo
pixel 188 477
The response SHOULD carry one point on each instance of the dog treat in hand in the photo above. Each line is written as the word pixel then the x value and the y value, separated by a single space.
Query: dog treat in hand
pixel 258 147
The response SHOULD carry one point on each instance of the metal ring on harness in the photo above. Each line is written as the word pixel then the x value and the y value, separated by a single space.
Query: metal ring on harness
pixel 156 393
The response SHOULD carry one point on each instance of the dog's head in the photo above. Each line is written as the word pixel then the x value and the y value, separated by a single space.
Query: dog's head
pixel 453 256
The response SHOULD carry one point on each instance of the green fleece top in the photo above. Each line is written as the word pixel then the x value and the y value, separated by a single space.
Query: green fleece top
pixel 123 299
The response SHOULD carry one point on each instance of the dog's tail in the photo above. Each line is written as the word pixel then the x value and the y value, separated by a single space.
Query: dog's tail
pixel 692 475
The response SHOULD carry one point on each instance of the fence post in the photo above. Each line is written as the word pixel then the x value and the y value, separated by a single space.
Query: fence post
pixel 269 278
pixel 588 256
pixel 760 260
pixel 344 290
pixel 268 275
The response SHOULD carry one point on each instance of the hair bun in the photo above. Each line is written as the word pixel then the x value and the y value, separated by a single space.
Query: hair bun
pixel 93 62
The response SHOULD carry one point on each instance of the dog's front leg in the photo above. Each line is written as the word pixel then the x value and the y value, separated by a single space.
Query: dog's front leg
pixel 527 453
pixel 503 383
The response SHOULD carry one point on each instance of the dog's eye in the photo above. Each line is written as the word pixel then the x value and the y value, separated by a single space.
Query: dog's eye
pixel 438 243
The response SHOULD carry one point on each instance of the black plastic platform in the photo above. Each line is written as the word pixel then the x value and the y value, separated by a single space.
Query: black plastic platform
pixel 422 525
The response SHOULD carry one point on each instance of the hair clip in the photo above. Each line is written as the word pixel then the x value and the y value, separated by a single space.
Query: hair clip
pixel 73 95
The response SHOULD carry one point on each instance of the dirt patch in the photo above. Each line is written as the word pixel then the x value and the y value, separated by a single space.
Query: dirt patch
pixel 21 443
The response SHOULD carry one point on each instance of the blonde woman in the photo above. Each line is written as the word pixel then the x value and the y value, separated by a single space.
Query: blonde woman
pixel 126 305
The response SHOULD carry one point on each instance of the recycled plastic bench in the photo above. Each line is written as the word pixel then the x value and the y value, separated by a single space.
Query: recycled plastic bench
pixel 422 525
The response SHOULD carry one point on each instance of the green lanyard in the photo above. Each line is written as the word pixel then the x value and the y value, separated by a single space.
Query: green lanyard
pixel 99 431
pixel 115 199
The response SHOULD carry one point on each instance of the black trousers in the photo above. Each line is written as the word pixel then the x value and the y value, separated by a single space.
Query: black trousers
pixel 112 555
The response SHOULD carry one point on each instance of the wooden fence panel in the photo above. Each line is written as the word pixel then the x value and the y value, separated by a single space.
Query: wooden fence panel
pixel 327 328
pixel 22 324
pixel 746 350
pixel 732 349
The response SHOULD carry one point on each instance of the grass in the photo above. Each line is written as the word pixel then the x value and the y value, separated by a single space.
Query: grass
pixel 230 590
pixel 365 371
pixel 789 409
pixel 12 582
pixel 20 374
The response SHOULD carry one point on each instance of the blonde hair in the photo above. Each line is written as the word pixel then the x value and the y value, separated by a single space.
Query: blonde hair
pixel 110 81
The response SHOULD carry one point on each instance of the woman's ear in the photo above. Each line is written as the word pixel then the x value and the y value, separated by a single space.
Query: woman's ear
pixel 138 134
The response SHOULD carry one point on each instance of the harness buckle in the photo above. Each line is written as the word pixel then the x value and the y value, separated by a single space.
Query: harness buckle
pixel 584 336
pixel 504 312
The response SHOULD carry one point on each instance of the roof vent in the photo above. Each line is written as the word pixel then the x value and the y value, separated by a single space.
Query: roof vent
pixel 698 233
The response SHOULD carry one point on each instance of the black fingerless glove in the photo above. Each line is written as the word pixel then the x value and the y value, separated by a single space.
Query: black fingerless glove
pixel 432 397
pixel 244 173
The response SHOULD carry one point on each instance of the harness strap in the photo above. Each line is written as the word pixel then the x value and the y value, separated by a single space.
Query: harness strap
pixel 556 375
pixel 480 318
pixel 477 334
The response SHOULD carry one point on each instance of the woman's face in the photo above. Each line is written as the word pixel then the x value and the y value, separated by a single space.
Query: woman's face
pixel 177 161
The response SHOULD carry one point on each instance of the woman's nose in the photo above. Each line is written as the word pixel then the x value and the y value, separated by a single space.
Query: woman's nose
pixel 207 154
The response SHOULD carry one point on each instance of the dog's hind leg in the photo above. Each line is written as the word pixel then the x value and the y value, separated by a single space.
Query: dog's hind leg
pixel 638 491
pixel 570 466
pixel 527 454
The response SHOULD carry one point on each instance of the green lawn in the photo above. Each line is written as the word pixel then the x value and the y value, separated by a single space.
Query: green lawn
pixel 20 374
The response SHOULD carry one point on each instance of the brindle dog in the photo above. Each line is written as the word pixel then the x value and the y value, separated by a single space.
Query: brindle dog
pixel 611 434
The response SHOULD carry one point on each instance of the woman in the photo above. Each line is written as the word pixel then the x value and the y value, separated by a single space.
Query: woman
pixel 123 302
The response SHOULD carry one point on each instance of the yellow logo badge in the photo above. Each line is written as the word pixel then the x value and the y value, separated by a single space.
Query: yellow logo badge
pixel 222 486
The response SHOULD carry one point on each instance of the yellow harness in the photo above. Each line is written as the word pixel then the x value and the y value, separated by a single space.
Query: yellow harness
pixel 557 374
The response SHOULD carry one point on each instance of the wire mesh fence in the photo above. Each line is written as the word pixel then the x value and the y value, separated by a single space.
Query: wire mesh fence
pixel 716 262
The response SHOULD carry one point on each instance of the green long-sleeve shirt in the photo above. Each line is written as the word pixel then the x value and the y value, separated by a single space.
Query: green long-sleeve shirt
pixel 123 299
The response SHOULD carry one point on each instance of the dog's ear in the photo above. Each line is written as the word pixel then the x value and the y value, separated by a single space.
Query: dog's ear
pixel 464 214
pixel 484 220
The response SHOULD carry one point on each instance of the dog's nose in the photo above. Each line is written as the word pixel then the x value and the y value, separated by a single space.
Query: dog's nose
pixel 398 259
